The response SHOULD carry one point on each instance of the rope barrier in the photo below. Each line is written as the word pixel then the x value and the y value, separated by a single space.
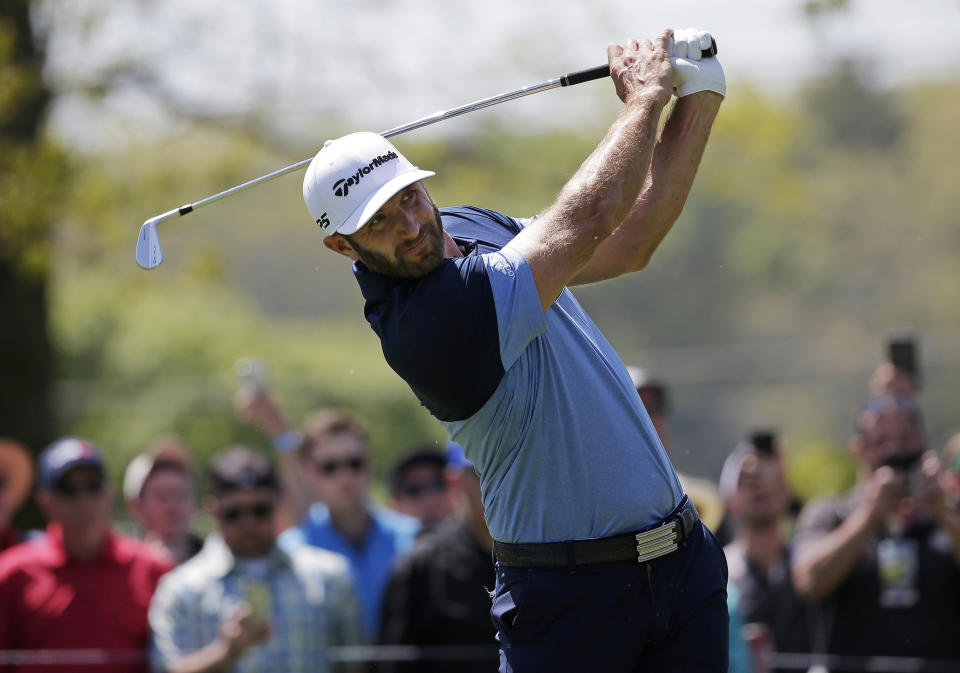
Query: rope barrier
pixel 780 661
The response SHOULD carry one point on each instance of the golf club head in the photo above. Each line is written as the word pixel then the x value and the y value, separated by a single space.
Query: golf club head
pixel 149 252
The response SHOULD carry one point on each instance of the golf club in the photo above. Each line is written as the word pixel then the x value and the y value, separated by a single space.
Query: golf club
pixel 150 254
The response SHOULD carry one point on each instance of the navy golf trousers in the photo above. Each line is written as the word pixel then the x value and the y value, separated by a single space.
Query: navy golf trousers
pixel 665 615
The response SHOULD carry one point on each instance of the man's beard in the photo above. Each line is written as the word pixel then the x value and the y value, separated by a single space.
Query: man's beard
pixel 400 267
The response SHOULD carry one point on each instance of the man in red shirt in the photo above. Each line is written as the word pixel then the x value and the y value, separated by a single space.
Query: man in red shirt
pixel 80 593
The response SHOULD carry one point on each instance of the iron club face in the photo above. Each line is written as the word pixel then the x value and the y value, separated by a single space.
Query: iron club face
pixel 149 252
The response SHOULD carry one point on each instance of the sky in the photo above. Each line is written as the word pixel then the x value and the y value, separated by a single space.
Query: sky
pixel 376 64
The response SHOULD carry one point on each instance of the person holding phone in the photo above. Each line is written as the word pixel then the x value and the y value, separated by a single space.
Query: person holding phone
pixel 326 471
pixel 900 374
pixel 243 603
pixel 887 553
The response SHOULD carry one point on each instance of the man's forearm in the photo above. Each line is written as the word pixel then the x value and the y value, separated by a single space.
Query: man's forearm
pixel 666 187
pixel 295 494
pixel 820 571
pixel 593 202
pixel 672 171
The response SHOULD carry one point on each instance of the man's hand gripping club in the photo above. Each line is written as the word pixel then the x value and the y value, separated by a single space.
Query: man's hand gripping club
pixel 692 72
pixel 602 191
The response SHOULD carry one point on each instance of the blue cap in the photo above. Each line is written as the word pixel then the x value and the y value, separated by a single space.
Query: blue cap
pixel 455 456
pixel 64 455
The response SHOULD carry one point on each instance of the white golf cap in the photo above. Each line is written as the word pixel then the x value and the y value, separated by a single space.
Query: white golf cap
pixel 352 177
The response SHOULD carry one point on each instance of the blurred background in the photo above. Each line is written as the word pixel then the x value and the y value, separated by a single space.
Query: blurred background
pixel 824 214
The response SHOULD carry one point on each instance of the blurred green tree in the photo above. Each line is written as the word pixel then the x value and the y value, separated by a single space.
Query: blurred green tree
pixel 31 182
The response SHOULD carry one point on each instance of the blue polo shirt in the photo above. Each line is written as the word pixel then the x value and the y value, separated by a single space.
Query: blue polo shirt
pixel 390 535
pixel 539 400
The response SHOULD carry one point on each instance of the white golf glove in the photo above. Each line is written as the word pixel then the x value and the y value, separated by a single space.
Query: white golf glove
pixel 691 73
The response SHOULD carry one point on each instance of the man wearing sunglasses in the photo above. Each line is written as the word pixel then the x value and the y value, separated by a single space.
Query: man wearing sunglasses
pixel 343 518
pixel 326 477
pixel 80 586
pixel 418 485
pixel 244 604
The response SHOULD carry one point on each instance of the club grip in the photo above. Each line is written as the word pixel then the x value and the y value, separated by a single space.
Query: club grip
pixel 602 71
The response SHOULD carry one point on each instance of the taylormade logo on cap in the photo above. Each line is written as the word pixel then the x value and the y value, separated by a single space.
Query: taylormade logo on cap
pixel 342 186
pixel 352 177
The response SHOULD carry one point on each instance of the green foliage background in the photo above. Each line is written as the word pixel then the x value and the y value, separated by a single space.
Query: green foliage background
pixel 816 224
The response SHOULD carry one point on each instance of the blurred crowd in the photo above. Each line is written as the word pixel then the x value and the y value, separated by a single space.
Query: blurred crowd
pixel 304 565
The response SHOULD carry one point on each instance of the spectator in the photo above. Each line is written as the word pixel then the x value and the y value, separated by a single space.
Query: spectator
pixel 656 400
pixel 16 475
pixel 159 492
pixel 243 603
pixel 80 586
pixel 886 554
pixel 343 519
pixel 326 473
pixel 437 594
pixel 754 488
pixel 419 487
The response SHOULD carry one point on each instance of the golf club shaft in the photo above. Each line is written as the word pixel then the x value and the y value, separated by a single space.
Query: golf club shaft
pixel 150 253
pixel 567 80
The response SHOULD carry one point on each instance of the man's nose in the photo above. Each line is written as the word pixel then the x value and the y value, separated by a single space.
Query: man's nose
pixel 407 225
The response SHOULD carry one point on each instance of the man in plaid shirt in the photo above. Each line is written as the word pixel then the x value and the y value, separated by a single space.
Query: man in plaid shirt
pixel 242 603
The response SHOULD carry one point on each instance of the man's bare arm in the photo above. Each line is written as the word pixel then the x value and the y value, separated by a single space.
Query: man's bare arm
pixel 823 567
pixel 676 159
pixel 601 193
pixel 259 408
pixel 819 572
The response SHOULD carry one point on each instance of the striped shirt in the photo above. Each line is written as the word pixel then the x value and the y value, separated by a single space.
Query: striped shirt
pixel 310 597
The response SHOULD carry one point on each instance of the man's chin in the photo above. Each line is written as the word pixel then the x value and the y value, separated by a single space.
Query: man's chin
pixel 416 268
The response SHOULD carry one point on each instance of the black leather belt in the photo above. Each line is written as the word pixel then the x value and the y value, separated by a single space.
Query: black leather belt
pixel 640 547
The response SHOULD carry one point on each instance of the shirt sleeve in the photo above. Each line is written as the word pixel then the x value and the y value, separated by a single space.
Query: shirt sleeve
pixel 520 318
pixel 452 335
pixel 174 627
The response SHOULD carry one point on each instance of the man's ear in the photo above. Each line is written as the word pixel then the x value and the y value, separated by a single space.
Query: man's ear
pixel 341 246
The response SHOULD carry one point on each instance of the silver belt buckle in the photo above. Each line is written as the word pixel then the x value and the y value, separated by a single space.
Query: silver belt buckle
pixel 657 542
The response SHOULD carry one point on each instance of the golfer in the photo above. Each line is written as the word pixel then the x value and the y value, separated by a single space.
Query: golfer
pixel 602 564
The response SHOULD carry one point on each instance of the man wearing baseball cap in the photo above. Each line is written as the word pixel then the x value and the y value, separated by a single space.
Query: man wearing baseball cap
pixel 592 529
pixel 80 586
